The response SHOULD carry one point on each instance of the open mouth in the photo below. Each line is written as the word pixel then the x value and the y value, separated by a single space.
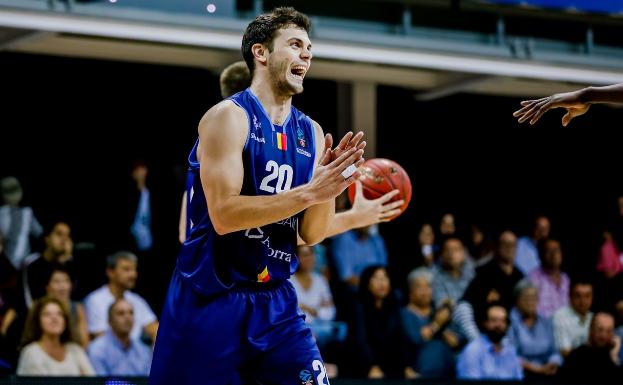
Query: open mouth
pixel 298 71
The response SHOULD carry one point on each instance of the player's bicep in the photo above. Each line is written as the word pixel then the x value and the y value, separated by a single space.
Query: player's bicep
pixel 222 134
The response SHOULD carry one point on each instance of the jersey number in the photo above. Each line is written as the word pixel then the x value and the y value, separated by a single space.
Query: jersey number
pixel 318 366
pixel 282 173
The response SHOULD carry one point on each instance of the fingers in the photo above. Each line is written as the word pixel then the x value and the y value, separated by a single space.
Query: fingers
pixel 388 215
pixel 542 109
pixel 533 109
pixel 328 141
pixel 393 205
pixel 344 141
pixel 387 197
pixel 326 157
pixel 354 141
pixel 358 190
pixel 566 119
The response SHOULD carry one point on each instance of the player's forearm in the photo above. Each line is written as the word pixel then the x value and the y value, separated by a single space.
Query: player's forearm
pixel 316 221
pixel 243 212
pixel 606 94
pixel 342 222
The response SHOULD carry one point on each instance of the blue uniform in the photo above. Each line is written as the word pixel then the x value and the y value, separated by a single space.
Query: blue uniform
pixel 231 315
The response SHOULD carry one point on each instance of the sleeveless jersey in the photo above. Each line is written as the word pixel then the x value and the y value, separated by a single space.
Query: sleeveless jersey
pixel 275 159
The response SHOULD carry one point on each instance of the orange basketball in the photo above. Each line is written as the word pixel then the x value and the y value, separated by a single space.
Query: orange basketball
pixel 380 176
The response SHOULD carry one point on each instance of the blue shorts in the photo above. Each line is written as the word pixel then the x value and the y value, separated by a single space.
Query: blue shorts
pixel 245 335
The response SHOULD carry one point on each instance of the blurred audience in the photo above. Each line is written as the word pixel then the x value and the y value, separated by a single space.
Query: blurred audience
pixel 122 274
pixel 533 334
pixel 527 246
pixel 59 286
pixel 356 250
pixel 49 348
pixel 491 356
pixel 315 299
pixel 18 224
pixel 571 322
pixel 479 245
pixel 597 360
pixel 430 340
pixel 11 310
pixel 380 343
pixel 116 353
pixel 453 274
pixel 553 284
pixel 58 251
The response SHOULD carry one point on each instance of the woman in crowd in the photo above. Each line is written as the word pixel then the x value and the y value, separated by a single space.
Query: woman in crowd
pixel 49 349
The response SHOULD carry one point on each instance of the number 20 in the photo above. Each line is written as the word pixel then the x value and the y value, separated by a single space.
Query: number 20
pixel 283 173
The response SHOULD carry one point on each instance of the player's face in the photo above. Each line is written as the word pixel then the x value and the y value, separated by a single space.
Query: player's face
pixel 289 60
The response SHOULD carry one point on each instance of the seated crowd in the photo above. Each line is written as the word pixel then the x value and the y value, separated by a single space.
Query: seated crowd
pixel 459 308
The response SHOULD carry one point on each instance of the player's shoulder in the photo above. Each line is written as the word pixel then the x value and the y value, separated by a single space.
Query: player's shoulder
pixel 224 111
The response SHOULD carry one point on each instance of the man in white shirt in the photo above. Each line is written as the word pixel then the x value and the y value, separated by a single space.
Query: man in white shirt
pixel 121 272
pixel 571 322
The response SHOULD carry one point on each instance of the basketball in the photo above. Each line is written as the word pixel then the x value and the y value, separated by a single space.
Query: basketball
pixel 380 176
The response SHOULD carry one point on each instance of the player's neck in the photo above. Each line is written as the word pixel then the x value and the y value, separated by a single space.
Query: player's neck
pixel 276 104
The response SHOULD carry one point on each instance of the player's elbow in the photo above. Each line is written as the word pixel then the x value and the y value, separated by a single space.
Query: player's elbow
pixel 312 239
pixel 221 227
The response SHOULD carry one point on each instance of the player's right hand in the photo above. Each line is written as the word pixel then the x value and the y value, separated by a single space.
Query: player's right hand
pixel 534 109
pixel 328 181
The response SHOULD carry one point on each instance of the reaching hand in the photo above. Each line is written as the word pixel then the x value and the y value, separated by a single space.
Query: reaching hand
pixel 347 142
pixel 371 211
pixel 534 109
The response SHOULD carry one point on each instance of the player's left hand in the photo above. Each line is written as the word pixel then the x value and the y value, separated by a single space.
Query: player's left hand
pixel 372 211
pixel 347 142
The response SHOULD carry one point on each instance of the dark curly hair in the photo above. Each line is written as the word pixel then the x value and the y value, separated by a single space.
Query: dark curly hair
pixel 263 28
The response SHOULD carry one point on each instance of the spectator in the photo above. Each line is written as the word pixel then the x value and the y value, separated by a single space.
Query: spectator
pixel 59 286
pixel 571 322
pixel 453 275
pixel 479 246
pixel 533 334
pixel 597 361
pixel 58 251
pixel 18 224
pixel 122 275
pixel 424 254
pixel 610 260
pixel 377 328
pixel 356 250
pixel 11 310
pixel 490 356
pixel 553 284
pixel 49 347
pixel 140 229
pixel 527 252
pixel 430 341
pixel 315 300
pixel 447 227
pixel 496 280
pixel 116 353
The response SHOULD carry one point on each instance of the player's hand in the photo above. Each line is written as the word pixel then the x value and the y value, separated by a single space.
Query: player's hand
pixel 534 109
pixel 347 142
pixel 328 181
pixel 371 211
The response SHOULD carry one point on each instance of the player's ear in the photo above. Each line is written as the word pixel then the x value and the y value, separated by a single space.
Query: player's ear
pixel 260 52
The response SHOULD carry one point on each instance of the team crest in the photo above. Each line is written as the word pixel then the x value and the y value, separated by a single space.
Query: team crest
pixel 301 137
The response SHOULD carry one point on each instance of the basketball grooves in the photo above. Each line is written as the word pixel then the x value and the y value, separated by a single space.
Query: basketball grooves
pixel 379 172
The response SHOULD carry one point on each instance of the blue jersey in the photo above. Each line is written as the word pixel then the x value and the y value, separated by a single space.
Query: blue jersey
pixel 275 159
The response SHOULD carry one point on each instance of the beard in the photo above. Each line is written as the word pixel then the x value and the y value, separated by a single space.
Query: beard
pixel 279 75
pixel 495 336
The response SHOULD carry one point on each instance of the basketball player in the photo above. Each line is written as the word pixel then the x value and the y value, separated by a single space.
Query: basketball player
pixel 576 103
pixel 364 212
pixel 264 173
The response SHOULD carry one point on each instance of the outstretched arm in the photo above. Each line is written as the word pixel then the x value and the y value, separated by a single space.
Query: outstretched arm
pixel 576 103
pixel 365 212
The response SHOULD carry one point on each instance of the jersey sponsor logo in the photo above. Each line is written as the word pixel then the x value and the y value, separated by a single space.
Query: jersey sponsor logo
pixel 301 137
pixel 303 152
pixel 264 276
pixel 256 123
pixel 258 233
pixel 306 377
pixel 257 138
